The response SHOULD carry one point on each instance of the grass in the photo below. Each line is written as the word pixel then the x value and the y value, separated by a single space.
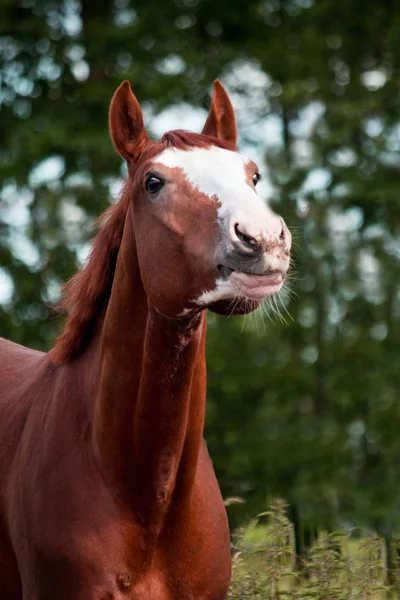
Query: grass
pixel 337 567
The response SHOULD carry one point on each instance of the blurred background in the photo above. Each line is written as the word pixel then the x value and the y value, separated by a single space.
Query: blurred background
pixel 304 405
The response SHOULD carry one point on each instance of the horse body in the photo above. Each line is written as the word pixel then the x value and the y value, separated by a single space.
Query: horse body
pixel 75 534
pixel 106 487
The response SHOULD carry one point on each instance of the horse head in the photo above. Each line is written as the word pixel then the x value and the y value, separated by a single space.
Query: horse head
pixel 204 238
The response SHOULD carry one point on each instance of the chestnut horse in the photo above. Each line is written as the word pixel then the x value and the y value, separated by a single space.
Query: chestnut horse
pixel 106 487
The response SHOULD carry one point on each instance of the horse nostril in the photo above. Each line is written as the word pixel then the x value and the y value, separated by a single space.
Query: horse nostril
pixel 247 240
pixel 282 233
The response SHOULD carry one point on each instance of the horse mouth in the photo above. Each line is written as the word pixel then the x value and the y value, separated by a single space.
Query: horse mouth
pixel 253 285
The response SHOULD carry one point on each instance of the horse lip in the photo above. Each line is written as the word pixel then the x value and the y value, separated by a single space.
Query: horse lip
pixel 228 271
pixel 259 279
pixel 257 286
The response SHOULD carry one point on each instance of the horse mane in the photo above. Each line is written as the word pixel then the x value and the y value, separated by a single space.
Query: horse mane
pixel 86 295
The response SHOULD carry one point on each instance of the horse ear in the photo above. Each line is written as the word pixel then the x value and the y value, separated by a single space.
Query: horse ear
pixel 221 120
pixel 126 122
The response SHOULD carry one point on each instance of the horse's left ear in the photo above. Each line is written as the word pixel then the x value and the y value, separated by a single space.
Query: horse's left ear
pixel 221 120
pixel 126 123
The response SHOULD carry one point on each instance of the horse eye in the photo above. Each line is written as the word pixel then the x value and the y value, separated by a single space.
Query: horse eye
pixel 256 178
pixel 154 184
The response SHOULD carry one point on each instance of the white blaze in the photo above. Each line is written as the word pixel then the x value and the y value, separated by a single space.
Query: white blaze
pixel 221 174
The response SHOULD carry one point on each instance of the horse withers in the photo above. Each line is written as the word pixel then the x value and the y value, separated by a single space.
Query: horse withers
pixel 106 487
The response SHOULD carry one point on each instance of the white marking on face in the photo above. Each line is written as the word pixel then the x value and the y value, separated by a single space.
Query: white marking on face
pixel 221 175
pixel 214 171
pixel 223 290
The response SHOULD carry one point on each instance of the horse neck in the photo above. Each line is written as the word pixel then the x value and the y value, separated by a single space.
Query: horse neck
pixel 149 413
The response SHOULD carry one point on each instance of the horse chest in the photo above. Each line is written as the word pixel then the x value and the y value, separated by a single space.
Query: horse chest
pixel 87 547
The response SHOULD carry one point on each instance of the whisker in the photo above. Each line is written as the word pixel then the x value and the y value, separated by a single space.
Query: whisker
pixel 278 310
pixel 234 304
pixel 260 316
pixel 266 308
pixel 243 323
pixel 285 291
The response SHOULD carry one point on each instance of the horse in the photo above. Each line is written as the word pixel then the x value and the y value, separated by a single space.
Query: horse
pixel 107 490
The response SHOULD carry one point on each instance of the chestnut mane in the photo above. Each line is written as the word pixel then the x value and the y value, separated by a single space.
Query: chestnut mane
pixel 86 295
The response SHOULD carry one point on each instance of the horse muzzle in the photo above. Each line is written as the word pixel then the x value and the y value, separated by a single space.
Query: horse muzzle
pixel 256 267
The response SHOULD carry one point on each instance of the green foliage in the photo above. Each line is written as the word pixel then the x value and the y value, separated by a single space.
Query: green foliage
pixel 337 567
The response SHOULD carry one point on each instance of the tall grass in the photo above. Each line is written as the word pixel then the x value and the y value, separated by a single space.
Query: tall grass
pixel 339 566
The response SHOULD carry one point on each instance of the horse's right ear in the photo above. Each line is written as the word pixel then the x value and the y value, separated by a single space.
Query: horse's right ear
pixel 126 123
pixel 221 120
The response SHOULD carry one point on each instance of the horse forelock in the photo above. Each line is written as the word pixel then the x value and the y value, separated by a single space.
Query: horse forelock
pixel 186 140
pixel 86 295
